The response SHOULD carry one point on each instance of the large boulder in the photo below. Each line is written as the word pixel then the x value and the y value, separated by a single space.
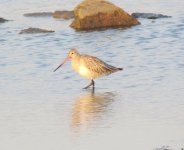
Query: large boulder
pixel 95 14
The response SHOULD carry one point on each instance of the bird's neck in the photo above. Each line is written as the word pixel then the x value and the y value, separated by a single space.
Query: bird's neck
pixel 76 63
pixel 76 59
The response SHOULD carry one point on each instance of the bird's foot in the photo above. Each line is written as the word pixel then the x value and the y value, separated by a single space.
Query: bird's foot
pixel 91 84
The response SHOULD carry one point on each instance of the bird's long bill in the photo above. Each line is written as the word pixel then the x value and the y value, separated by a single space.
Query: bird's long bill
pixel 62 63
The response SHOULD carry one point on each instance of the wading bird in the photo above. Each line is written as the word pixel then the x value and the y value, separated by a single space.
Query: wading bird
pixel 88 66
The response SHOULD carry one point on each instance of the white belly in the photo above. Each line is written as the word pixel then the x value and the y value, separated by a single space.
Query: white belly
pixel 81 70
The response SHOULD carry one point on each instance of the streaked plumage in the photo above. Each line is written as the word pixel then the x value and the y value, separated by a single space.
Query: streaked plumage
pixel 88 66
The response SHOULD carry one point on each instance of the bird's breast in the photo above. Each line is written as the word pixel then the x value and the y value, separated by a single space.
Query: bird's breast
pixel 81 69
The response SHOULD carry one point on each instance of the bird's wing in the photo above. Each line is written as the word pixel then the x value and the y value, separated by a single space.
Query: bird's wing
pixel 96 65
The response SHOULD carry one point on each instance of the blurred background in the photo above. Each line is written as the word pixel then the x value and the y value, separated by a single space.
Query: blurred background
pixel 139 108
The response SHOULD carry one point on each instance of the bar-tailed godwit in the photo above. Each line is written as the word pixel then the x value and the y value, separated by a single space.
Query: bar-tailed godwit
pixel 88 66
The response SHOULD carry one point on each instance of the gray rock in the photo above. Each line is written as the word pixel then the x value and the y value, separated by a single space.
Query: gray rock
pixel 163 148
pixel 35 30
pixel 65 14
pixel 2 20
pixel 149 15
pixel 39 14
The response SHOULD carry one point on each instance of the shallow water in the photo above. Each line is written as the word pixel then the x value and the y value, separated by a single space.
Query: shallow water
pixel 139 108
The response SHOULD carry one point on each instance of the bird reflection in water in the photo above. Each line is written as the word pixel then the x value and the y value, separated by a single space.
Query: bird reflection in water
pixel 90 108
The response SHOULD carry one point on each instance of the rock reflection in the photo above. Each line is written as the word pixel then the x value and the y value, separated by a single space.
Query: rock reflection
pixel 90 108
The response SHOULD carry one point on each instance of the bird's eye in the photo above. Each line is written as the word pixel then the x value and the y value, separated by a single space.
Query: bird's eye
pixel 72 53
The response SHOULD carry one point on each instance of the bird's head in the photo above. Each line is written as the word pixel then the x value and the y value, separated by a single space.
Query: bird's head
pixel 73 53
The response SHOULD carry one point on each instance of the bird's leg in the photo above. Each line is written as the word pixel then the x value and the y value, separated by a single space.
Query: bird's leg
pixel 91 84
